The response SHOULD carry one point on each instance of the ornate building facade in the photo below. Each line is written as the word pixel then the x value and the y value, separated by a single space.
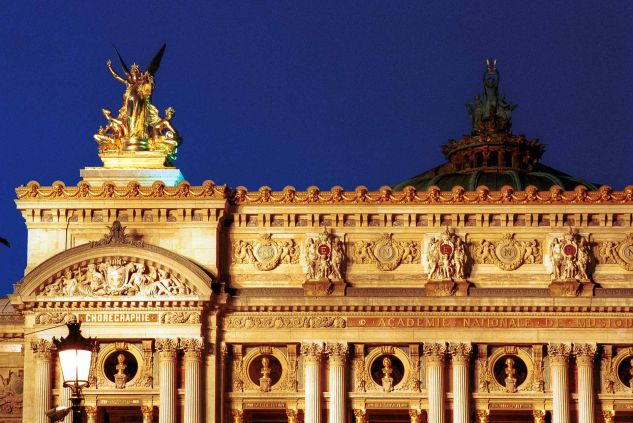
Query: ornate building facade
pixel 489 289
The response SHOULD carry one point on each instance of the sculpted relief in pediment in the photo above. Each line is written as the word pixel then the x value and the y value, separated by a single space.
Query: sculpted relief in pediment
pixel 115 277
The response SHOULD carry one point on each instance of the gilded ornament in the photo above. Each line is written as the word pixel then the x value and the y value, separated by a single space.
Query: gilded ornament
pixel 620 252
pixel 266 253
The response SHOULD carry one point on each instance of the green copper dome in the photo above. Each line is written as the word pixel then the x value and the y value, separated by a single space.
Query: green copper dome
pixel 491 155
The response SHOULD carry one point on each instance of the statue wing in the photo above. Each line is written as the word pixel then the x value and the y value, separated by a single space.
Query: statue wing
pixel 155 63
pixel 123 65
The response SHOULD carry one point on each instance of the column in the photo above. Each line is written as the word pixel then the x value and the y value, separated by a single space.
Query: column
pixel 415 416
pixel 167 353
pixel 559 358
pixel 434 355
pixel 42 349
pixel 311 352
pixel 338 357
pixel 64 397
pixel 91 413
pixel 585 354
pixel 193 356
pixel 148 413
pixel 539 416
pixel 293 415
pixel 461 355
pixel 482 416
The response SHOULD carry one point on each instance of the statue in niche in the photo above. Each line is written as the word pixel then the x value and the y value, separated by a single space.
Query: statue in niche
pixel 387 375
pixel 510 380
pixel 265 380
pixel 120 378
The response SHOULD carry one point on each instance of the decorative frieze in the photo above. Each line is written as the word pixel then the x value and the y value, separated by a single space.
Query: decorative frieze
pixel 180 317
pixel 11 383
pixel 283 322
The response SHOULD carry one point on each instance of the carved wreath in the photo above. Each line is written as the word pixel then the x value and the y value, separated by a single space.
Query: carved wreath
pixel 386 253
pixel 266 253
pixel 507 253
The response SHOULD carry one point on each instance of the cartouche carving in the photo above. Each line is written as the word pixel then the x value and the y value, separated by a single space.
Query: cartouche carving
pixel 324 257
pixel 116 277
pixel 620 252
pixel 386 253
pixel 266 253
pixel 508 253
pixel 445 262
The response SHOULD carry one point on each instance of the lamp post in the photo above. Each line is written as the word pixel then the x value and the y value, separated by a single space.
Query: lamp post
pixel 75 356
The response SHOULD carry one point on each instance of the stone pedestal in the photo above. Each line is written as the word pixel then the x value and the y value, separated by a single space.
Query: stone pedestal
pixel 324 288
pixel 145 167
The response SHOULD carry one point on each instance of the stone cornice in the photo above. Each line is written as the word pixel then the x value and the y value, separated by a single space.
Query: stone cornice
pixel 313 195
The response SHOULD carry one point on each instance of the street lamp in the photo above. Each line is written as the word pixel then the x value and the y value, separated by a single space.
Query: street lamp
pixel 75 357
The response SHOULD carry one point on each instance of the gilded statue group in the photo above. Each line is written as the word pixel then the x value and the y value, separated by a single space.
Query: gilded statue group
pixel 324 257
pixel 138 126
pixel 446 257
pixel 570 257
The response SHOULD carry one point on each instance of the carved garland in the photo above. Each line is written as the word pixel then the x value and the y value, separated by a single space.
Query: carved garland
pixel 265 253
pixel 386 252
pixel 279 322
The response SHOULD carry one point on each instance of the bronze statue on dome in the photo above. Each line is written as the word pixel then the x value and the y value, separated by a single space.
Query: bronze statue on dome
pixel 138 126
pixel 490 112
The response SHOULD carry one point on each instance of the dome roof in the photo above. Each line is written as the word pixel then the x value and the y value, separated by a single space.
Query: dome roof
pixel 491 155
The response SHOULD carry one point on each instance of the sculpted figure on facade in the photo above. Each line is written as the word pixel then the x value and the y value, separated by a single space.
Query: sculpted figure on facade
pixel 617 252
pixel 445 264
pixel 138 126
pixel 11 389
pixel 115 277
pixel 569 258
pixel 324 256
pixel 266 253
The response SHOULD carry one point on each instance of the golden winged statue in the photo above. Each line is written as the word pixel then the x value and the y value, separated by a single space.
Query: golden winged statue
pixel 138 126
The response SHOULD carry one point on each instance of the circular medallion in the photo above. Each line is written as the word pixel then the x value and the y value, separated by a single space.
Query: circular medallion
pixel 271 368
pixel 324 249
pixel 386 252
pixel 625 371
pixel 446 249
pixel 569 250
pixel 510 366
pixel 507 252
pixel 114 364
pixel 626 252
pixel 392 366
pixel 265 252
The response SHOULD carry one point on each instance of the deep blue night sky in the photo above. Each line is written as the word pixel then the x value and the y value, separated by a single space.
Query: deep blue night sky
pixel 311 93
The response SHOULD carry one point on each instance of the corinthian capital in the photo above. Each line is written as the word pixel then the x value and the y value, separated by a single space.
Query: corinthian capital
pixel 559 352
pixel 460 352
pixel 585 353
pixel 42 348
pixel 337 352
pixel 435 352
pixel 167 348
pixel 312 349
pixel 192 347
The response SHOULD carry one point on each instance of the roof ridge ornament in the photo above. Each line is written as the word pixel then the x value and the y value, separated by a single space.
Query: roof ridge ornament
pixel 117 235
